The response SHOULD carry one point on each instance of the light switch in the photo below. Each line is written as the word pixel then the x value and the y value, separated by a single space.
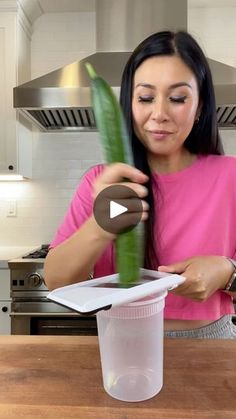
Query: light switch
pixel 11 208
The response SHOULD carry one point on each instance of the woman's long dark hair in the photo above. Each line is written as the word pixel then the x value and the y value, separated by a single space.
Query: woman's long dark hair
pixel 204 137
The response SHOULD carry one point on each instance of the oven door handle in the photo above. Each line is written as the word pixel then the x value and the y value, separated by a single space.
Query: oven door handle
pixel 39 314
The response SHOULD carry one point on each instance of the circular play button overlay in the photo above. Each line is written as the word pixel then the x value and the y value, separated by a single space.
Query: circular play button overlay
pixel 117 209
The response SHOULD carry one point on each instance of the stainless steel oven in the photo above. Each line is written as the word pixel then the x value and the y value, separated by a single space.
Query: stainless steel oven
pixel 31 312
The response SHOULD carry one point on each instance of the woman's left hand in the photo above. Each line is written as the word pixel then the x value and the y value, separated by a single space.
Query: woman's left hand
pixel 204 275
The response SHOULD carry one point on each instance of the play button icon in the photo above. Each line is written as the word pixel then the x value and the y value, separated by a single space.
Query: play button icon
pixel 117 209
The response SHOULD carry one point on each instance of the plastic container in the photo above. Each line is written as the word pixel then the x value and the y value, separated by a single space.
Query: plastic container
pixel 131 348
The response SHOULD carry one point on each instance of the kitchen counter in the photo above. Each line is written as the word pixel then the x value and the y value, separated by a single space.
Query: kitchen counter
pixel 10 252
pixel 60 377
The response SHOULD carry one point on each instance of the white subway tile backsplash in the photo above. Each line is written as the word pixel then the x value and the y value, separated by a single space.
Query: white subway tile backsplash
pixel 59 162
pixel 66 183
pixel 229 141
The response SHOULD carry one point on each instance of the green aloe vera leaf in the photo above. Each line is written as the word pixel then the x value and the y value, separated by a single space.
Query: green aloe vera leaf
pixel 115 141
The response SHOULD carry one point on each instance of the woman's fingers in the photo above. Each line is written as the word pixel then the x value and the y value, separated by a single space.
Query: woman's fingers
pixel 117 172
pixel 127 175
pixel 124 190
pixel 122 184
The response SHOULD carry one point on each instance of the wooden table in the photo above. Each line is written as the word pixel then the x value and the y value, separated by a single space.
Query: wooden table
pixel 60 377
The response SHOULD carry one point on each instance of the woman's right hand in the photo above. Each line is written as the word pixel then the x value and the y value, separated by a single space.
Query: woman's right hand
pixel 117 174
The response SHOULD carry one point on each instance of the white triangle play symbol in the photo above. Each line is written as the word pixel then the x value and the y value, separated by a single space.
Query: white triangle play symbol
pixel 116 209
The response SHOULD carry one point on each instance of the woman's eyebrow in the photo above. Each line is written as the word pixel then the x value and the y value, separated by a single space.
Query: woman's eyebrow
pixel 148 85
pixel 172 86
pixel 179 84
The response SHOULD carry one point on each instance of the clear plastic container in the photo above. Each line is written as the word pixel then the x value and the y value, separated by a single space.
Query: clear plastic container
pixel 131 348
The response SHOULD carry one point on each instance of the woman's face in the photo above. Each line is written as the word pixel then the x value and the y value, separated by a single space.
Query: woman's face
pixel 165 104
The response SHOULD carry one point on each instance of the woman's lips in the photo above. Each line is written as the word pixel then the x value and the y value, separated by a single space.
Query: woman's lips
pixel 159 134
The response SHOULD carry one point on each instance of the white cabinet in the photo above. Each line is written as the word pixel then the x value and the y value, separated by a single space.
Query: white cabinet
pixel 5 320
pixel 5 302
pixel 15 132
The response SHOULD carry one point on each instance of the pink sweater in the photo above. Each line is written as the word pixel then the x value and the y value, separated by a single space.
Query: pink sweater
pixel 196 215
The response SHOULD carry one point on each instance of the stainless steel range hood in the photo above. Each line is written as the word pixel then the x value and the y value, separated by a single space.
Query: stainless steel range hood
pixel 60 100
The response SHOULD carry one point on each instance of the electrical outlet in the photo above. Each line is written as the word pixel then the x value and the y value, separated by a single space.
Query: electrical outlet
pixel 11 208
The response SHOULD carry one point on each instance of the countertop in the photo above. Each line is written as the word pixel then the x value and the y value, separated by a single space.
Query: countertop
pixel 12 252
pixel 60 377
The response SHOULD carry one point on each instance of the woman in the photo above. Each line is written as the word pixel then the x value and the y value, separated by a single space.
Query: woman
pixel 189 194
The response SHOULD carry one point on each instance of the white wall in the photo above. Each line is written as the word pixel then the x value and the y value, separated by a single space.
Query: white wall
pixel 215 30
pixel 61 38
